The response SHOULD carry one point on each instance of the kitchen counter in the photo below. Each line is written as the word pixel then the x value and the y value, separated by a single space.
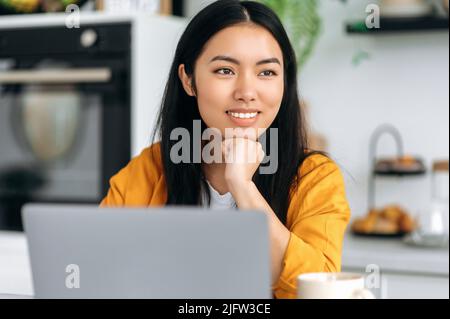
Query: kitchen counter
pixel 389 254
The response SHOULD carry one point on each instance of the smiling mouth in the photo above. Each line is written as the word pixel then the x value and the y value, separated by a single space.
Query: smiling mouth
pixel 243 115
pixel 243 118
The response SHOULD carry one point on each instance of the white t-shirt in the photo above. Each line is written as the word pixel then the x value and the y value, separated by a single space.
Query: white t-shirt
pixel 225 201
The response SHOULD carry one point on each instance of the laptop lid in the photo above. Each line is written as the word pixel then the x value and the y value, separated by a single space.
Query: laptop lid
pixel 92 252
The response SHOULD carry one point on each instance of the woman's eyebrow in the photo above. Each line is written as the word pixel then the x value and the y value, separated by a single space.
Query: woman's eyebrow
pixel 234 61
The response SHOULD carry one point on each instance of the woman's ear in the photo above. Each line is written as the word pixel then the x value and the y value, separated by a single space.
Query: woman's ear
pixel 186 80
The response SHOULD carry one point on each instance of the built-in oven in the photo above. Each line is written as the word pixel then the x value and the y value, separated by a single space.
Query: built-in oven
pixel 65 114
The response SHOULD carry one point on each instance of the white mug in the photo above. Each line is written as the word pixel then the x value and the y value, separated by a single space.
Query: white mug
pixel 332 286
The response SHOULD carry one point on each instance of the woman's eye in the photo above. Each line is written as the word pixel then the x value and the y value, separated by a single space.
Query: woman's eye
pixel 224 71
pixel 268 73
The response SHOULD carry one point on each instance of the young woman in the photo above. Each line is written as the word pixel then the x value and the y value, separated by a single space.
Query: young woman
pixel 235 68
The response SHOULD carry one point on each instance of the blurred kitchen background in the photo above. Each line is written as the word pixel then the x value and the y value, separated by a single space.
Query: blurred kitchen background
pixel 80 87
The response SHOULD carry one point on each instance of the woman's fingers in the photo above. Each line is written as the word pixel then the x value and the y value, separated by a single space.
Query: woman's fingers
pixel 242 150
pixel 247 133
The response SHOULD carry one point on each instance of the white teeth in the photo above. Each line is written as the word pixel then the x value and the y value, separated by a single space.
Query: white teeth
pixel 244 115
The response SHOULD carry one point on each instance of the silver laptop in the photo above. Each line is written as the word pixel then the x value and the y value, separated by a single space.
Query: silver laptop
pixel 182 253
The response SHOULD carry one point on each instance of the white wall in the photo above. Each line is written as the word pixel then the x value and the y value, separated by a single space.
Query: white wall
pixel 405 83
pixel 191 7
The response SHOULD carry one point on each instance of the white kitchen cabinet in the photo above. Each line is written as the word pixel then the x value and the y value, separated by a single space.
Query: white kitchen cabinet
pixel 408 286
pixel 415 286
pixel 405 272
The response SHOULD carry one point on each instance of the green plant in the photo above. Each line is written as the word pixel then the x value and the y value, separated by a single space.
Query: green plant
pixel 302 22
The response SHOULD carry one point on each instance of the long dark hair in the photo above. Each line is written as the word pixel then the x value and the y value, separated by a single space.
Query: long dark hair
pixel 185 181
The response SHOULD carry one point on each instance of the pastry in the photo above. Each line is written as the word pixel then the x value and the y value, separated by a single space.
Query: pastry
pixel 407 224
pixel 385 226
pixel 393 213
pixel 390 220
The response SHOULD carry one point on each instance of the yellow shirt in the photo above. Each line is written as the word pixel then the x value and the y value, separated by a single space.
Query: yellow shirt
pixel 317 216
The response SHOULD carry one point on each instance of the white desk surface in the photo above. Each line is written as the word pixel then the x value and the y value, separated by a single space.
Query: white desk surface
pixel 15 272
pixel 389 254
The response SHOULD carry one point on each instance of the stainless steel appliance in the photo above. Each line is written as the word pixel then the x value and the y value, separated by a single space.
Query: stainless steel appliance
pixel 75 104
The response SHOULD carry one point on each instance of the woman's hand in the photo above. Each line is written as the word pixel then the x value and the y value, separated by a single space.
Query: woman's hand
pixel 242 156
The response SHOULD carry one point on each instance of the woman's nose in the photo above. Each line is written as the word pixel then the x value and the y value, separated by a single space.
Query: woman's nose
pixel 245 90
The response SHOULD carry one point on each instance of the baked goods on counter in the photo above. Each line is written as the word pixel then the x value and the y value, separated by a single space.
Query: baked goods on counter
pixel 390 220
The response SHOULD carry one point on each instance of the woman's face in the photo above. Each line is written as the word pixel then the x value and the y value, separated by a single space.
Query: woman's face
pixel 239 79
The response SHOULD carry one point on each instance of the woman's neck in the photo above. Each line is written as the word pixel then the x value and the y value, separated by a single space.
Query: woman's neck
pixel 215 174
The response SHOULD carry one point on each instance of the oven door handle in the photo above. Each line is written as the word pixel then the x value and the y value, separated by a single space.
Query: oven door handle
pixel 61 76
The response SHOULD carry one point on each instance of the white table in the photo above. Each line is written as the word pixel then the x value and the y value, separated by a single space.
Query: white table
pixel 407 272
pixel 15 272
